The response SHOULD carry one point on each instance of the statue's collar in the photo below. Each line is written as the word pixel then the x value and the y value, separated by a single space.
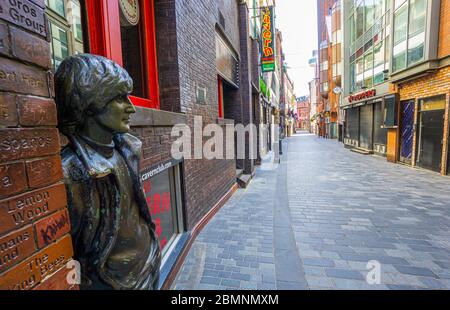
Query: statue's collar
pixel 106 150
pixel 98 166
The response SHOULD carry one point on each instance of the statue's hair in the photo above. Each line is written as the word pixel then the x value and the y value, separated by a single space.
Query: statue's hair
pixel 87 82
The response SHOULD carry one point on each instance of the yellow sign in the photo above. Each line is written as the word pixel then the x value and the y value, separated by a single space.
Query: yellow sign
pixel 431 104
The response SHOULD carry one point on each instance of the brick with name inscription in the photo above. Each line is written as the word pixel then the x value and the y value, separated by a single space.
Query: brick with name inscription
pixel 8 110
pixel 27 143
pixel 24 13
pixel 30 272
pixel 35 111
pixel 42 172
pixel 24 79
pixel 30 48
pixel 12 179
pixel 57 281
pixel 31 207
pixel 15 247
pixel 52 228
pixel 5 46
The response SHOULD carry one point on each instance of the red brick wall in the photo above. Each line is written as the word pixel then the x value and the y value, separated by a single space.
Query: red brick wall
pixel 431 85
pixel 34 226
pixel 444 30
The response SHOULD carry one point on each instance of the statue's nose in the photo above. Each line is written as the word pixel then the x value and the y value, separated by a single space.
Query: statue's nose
pixel 130 107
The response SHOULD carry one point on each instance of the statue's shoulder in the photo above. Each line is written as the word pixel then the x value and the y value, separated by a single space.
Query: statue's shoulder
pixel 73 168
pixel 133 143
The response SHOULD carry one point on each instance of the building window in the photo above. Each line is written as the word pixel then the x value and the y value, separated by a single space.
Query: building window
pixel 163 194
pixel 400 34
pixel 369 35
pixel 65 24
pixel 360 19
pixel 368 69
pixel 123 31
pixel 369 14
pixel 409 33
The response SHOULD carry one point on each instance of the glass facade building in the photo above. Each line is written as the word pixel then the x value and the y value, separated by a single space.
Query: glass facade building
pixel 409 33
pixel 368 30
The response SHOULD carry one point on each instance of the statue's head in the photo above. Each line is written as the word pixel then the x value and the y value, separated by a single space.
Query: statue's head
pixel 96 88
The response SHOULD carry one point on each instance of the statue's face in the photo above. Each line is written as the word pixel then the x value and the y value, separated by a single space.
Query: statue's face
pixel 116 116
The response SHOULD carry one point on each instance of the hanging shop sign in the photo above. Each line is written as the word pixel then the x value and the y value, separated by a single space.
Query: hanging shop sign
pixel 267 37
pixel 130 12
pixel 363 95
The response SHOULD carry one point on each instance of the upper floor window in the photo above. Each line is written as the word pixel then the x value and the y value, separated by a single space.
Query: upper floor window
pixel 365 15
pixel 65 24
pixel 124 31
pixel 409 33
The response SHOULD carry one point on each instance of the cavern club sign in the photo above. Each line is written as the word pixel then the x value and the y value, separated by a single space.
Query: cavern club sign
pixel 363 95
pixel 267 38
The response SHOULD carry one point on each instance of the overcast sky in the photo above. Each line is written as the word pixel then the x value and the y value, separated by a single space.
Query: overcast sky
pixel 297 20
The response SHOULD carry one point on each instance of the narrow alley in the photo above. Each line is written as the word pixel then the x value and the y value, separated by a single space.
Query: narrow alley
pixel 318 223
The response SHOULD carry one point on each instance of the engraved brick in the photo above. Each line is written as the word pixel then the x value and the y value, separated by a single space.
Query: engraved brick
pixel 21 78
pixel 5 46
pixel 30 48
pixel 25 14
pixel 13 179
pixel 30 272
pixel 57 281
pixel 28 143
pixel 8 111
pixel 44 172
pixel 15 247
pixel 31 207
pixel 35 111
pixel 52 228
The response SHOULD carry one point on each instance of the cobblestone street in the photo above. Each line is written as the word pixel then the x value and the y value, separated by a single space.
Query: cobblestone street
pixel 316 221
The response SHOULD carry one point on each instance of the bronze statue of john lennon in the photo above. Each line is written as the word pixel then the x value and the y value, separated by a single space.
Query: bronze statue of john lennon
pixel 112 230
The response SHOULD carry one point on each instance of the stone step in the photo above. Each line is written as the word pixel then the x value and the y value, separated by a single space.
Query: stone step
pixel 361 151
pixel 239 172
pixel 243 180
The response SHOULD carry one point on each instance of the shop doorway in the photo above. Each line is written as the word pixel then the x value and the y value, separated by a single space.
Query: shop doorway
pixel 407 131
pixel 366 127
pixel 431 133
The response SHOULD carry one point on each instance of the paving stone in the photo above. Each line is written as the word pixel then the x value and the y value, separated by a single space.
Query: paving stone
pixel 432 283
pixel 314 271
pixel 314 281
pixel 344 274
pixel 416 271
pixel 318 262
pixel 346 284
pixel 230 283
pixel 283 285
pixel 210 280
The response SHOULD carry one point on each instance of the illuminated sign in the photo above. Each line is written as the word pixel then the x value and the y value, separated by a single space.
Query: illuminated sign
pixel 361 96
pixel 268 44
pixel 161 195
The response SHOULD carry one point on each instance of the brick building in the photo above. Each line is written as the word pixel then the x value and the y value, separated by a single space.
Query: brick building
pixel 329 66
pixel 423 85
pixel 396 85
pixel 304 113
pixel 186 61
